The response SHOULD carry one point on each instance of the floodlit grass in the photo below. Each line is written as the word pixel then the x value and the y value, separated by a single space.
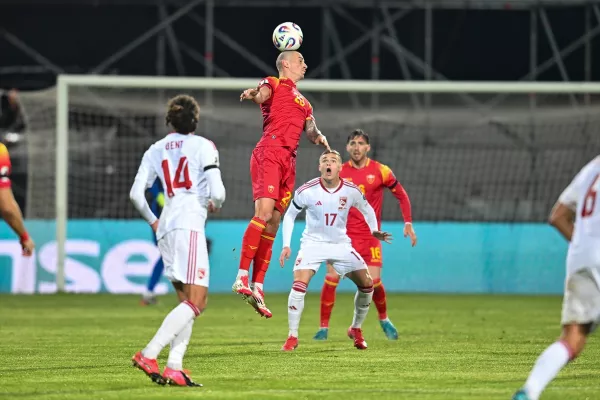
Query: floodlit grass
pixel 450 347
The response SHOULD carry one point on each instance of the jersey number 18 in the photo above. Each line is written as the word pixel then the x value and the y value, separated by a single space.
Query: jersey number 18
pixel 181 179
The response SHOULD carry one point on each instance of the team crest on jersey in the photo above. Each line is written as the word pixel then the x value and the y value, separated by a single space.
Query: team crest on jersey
pixel 370 179
pixel 271 188
pixel 343 201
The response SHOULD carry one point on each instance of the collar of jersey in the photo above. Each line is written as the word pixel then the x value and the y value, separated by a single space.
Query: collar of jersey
pixel 366 165
pixel 287 81
pixel 336 190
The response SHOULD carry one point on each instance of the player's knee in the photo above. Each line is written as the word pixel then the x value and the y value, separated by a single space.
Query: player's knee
pixel 198 297
pixel 332 276
pixel 265 215
pixel 265 209
pixel 273 225
pixel 574 339
pixel 366 289
pixel 367 285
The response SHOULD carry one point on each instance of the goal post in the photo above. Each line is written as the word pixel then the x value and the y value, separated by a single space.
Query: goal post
pixel 67 83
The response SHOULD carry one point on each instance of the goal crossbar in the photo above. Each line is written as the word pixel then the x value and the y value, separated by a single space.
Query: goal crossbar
pixel 328 85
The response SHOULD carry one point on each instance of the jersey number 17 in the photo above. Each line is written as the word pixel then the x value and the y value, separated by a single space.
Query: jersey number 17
pixel 181 179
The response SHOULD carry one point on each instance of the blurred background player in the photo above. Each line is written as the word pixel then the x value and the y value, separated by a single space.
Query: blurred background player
pixel 9 209
pixel 577 217
pixel 371 177
pixel 157 202
pixel 286 113
pixel 188 167
pixel 327 201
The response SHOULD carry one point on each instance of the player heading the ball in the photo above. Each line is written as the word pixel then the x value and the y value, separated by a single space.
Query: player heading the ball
pixel 188 168
pixel 327 201
pixel 286 113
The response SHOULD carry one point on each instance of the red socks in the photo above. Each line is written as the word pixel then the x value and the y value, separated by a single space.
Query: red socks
pixel 379 298
pixel 262 258
pixel 328 299
pixel 251 242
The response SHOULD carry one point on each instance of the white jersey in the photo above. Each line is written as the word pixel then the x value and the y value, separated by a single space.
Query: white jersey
pixel 581 196
pixel 181 163
pixel 326 212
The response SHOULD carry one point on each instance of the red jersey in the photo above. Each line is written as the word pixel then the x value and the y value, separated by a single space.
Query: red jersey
pixel 5 167
pixel 371 180
pixel 284 114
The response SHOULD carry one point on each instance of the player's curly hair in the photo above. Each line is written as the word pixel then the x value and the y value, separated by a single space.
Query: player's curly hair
pixel 183 113
pixel 358 133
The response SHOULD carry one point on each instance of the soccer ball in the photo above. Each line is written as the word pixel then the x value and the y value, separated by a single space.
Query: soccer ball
pixel 287 36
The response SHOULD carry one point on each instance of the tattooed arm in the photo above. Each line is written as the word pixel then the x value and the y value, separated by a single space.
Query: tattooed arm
pixel 314 134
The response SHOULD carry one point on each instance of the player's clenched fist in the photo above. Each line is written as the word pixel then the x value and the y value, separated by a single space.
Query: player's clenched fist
pixel 285 255
pixel 248 94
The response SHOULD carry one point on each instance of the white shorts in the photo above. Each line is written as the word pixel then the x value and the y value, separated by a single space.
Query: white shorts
pixel 581 303
pixel 185 256
pixel 343 257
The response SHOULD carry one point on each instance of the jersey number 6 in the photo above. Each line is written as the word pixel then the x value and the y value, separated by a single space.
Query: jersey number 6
pixel 179 181
pixel 589 202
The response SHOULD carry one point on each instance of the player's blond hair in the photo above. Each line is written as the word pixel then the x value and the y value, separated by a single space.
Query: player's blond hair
pixel 337 153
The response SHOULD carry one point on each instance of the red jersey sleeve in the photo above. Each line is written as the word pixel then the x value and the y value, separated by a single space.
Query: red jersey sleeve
pixel 269 81
pixel 309 112
pixel 5 167
pixel 389 180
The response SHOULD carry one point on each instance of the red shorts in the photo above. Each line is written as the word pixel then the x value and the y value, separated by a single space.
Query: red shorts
pixel 273 174
pixel 369 249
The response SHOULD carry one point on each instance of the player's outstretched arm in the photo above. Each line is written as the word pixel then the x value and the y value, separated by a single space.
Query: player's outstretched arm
pixel 11 213
pixel 390 181
pixel 288 228
pixel 143 180
pixel 361 203
pixel 562 218
pixel 314 134
pixel 257 95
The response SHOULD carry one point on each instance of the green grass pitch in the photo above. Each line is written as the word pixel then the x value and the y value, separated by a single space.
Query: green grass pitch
pixel 450 347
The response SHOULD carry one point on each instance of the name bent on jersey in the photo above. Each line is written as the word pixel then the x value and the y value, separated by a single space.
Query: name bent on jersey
pixel 180 162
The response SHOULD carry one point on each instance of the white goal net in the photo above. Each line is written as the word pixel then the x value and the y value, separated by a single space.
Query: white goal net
pixel 464 151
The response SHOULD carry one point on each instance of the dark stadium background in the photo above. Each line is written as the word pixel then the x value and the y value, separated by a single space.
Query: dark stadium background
pixel 470 40
pixel 468 44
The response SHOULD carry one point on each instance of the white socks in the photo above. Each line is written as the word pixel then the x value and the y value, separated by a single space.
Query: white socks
pixel 547 366
pixel 362 301
pixel 179 346
pixel 172 325
pixel 241 272
pixel 295 306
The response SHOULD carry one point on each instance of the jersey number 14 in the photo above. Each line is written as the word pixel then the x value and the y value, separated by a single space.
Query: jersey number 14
pixel 181 179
